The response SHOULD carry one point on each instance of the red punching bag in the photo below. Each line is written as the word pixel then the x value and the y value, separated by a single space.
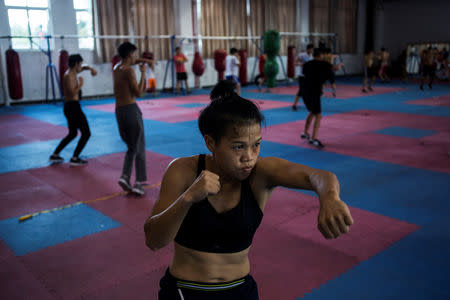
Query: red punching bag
pixel 14 75
pixel 243 67
pixel 219 62
pixel 145 54
pixel 198 67
pixel 262 61
pixel 291 62
pixel 63 65
pixel 115 59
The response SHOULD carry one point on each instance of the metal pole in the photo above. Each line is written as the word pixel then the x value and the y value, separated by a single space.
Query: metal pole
pixel 50 65
pixel 46 83
pixel 172 45
pixel 72 36
pixel 2 78
pixel 165 73
pixel 261 46
pixel 254 67
pixel 59 84
pixel 283 68
pixel 53 83
pixel 257 58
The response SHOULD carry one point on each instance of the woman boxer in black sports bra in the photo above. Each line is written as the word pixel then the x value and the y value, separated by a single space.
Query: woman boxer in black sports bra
pixel 211 205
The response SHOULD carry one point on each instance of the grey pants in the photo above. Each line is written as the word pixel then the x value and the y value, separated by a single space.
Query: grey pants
pixel 131 128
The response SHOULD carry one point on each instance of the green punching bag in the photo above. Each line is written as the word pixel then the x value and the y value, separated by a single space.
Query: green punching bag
pixel 271 49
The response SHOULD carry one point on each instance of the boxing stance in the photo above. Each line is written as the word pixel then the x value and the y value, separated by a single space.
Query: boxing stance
pixel 211 205
pixel 76 119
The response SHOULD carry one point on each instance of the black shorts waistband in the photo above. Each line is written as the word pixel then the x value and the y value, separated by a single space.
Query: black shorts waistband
pixel 206 286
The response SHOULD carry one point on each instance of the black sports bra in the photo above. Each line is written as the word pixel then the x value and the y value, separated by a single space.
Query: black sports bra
pixel 204 229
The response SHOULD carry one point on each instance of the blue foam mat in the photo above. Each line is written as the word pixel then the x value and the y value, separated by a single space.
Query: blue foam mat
pixel 53 228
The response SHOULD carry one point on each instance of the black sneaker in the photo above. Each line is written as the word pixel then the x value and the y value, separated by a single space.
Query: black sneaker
pixel 125 184
pixel 305 136
pixel 138 189
pixel 294 108
pixel 316 143
pixel 76 161
pixel 56 159
pixel 430 86
pixel 370 88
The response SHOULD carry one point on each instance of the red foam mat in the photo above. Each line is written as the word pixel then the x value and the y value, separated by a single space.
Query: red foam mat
pixel 18 129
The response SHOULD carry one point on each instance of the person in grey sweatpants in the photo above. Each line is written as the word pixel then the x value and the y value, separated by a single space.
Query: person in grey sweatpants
pixel 129 117
pixel 131 129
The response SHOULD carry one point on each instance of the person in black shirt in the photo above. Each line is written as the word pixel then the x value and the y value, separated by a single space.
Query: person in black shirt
pixel 316 72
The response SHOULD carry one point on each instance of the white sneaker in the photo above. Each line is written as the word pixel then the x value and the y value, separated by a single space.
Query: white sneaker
pixel 138 189
pixel 56 159
pixel 125 184
pixel 76 161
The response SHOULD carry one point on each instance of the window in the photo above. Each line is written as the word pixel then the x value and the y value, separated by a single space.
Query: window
pixel 83 11
pixel 28 17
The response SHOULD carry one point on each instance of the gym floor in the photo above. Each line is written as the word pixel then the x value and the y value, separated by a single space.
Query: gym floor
pixel 389 148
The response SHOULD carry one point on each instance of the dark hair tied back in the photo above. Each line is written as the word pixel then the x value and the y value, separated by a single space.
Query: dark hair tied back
pixel 223 89
pixel 227 109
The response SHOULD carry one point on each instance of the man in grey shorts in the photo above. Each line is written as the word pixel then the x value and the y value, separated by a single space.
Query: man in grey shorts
pixel 129 117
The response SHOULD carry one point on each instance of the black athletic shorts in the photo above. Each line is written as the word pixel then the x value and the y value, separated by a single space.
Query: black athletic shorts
pixel 172 288
pixel 182 76
pixel 333 77
pixel 370 72
pixel 428 70
pixel 312 103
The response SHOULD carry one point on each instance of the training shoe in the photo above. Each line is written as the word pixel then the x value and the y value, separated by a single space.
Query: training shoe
pixel 305 136
pixel 316 143
pixel 294 108
pixel 125 184
pixel 138 189
pixel 76 161
pixel 370 88
pixel 364 90
pixel 430 86
pixel 56 159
